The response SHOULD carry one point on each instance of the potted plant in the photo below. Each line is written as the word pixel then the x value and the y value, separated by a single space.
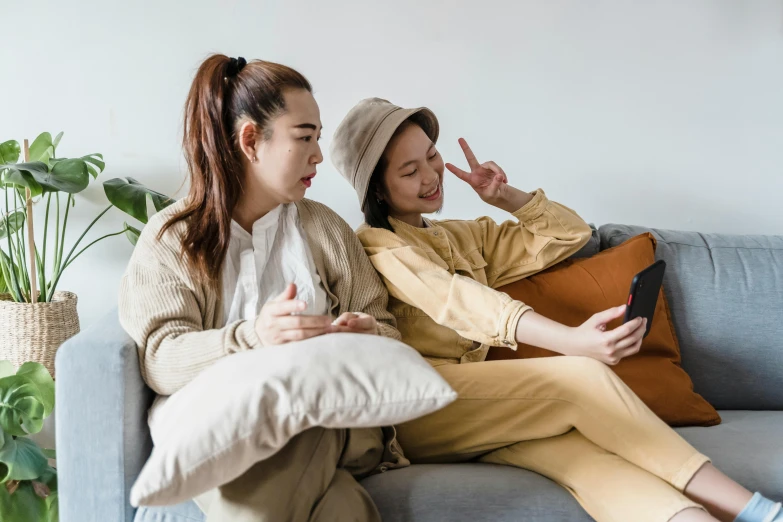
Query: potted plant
pixel 28 483
pixel 36 316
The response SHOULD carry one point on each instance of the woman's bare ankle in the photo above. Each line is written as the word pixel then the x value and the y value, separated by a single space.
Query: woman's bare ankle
pixel 720 495
pixel 693 515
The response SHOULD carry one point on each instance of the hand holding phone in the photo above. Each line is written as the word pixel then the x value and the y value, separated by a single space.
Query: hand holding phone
pixel 643 296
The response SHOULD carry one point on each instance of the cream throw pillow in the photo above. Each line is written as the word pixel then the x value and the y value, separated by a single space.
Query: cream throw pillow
pixel 246 407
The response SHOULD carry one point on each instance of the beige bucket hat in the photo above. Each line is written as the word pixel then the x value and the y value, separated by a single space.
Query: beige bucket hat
pixel 362 136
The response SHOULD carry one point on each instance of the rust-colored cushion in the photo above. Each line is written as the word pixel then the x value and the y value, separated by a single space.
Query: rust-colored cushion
pixel 572 291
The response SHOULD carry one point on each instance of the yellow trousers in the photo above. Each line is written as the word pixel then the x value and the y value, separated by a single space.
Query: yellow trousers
pixel 570 419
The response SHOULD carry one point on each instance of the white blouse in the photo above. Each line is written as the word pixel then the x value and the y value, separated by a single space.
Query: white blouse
pixel 259 266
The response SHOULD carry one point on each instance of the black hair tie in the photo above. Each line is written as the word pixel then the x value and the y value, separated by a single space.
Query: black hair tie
pixel 235 65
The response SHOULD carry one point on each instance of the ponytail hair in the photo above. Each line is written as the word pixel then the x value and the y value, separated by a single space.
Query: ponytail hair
pixel 225 93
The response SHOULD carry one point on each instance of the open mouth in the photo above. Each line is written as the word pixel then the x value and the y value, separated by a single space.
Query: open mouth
pixel 308 180
pixel 433 194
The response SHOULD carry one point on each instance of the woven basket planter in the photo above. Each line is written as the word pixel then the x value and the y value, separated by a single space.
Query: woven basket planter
pixel 34 332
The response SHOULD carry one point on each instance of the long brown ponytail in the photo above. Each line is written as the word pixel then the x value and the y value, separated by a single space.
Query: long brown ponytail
pixel 224 93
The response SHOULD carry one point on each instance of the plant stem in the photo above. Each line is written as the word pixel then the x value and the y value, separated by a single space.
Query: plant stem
pixel 40 269
pixel 14 286
pixel 56 237
pixel 62 237
pixel 43 257
pixel 20 274
pixel 91 244
pixel 59 273
pixel 22 249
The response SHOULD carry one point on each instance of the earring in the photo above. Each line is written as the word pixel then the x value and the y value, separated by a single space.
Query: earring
pixel 253 160
pixel 379 200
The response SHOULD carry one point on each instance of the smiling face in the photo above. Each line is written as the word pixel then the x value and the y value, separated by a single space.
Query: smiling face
pixel 413 179
pixel 287 153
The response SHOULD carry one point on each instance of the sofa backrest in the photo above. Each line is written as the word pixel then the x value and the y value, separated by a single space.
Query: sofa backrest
pixel 726 298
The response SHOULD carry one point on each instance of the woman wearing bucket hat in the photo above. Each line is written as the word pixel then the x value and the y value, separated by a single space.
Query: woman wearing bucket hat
pixel 571 418
pixel 211 276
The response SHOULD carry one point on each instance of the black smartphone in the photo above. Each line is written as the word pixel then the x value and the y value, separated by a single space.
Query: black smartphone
pixel 642 298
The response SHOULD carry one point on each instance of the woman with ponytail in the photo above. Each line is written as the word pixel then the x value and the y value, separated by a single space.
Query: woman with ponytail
pixel 243 262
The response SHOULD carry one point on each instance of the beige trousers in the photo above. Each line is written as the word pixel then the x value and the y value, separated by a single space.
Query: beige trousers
pixel 570 419
pixel 310 480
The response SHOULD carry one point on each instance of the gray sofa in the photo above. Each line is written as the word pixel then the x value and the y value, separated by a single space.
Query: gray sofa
pixel 726 295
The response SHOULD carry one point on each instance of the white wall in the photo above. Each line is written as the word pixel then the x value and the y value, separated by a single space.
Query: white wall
pixel 666 113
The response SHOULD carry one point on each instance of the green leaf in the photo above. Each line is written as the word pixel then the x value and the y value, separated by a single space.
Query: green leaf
pixel 40 377
pixel 24 175
pixel 22 406
pixel 52 501
pixel 66 175
pixel 42 148
pixel 11 223
pixel 50 453
pixel 132 233
pixel 10 152
pixel 95 164
pixel 57 140
pixel 130 196
pixel 5 276
pixel 24 459
pixel 49 477
pixel 23 505
pixel 69 175
pixel 8 269
pixel 53 506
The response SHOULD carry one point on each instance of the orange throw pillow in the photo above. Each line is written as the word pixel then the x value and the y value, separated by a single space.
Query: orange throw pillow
pixel 572 291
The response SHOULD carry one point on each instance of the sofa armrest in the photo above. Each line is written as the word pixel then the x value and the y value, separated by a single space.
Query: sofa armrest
pixel 101 423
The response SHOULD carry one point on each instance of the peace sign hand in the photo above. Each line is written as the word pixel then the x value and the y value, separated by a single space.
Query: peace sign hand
pixel 487 179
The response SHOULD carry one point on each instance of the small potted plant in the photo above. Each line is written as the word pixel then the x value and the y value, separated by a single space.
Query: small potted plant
pixel 36 316
pixel 28 483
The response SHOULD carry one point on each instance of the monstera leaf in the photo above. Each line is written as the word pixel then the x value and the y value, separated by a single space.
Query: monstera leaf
pixel 23 503
pixel 132 233
pixel 11 223
pixel 42 148
pixel 22 460
pixel 21 408
pixel 26 398
pixel 24 175
pixel 94 164
pixel 10 152
pixel 39 376
pixel 28 484
pixel 131 197
pixel 66 175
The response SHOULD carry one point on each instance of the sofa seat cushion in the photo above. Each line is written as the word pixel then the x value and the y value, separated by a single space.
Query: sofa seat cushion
pixel 746 446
